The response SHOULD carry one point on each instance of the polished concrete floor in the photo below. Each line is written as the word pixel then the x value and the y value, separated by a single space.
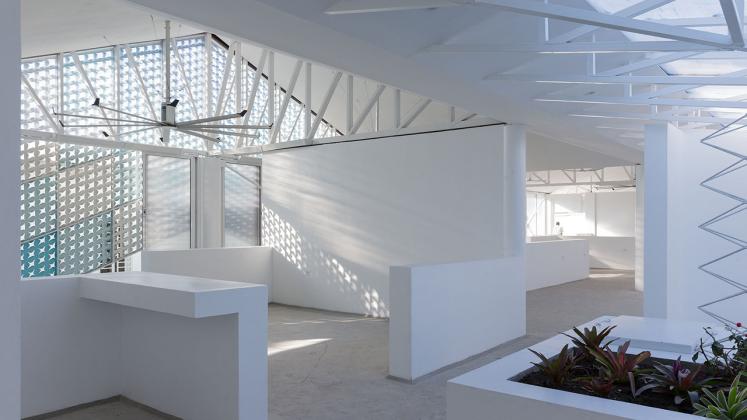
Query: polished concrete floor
pixel 333 366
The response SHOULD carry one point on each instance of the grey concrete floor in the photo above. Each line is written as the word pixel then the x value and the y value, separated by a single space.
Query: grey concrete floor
pixel 329 366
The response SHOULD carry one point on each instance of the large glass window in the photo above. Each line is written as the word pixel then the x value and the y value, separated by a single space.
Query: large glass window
pixel 241 205
pixel 168 203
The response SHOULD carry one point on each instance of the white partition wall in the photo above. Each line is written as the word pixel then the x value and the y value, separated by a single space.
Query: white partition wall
pixel 445 313
pixel 339 215
pixel 10 82
pixel 554 262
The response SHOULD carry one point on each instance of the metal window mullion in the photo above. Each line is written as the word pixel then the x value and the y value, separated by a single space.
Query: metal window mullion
pixel 208 80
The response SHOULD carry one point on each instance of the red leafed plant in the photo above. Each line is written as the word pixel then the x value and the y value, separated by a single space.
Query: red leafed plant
pixel 677 380
pixel 616 365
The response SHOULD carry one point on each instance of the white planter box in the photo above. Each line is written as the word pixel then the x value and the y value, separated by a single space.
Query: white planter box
pixel 489 392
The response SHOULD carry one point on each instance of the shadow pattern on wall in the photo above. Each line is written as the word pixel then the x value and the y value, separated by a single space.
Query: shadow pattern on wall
pixel 311 261
pixel 730 225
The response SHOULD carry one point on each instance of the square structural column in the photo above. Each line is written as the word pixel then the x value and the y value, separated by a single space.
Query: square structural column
pixel 10 309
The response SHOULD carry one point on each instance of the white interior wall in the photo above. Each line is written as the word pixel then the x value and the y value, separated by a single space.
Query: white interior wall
pixel 10 316
pixel 210 202
pixel 675 205
pixel 341 214
pixel 71 347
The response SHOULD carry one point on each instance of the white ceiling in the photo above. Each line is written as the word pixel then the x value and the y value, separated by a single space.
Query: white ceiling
pixel 387 47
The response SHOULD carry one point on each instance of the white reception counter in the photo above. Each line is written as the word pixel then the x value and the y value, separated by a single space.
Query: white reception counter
pixel 192 347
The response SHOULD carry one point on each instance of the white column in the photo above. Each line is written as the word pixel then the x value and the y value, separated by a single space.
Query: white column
pixel 655 200
pixel 209 202
pixel 10 323
pixel 640 188
pixel 514 189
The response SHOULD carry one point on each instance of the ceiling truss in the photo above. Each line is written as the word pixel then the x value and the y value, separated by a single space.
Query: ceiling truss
pixel 645 81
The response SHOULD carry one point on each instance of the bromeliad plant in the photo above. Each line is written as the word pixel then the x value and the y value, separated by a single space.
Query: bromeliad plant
pixel 558 369
pixel 590 340
pixel 616 366
pixel 677 380
pixel 731 406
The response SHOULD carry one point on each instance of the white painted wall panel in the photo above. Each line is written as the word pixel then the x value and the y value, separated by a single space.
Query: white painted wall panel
pixel 550 263
pixel 341 214
pixel 444 313
pixel 71 346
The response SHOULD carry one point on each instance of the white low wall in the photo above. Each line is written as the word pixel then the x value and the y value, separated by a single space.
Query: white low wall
pixel 615 252
pixel 252 264
pixel 444 313
pixel 78 350
pixel 550 263
pixel 70 346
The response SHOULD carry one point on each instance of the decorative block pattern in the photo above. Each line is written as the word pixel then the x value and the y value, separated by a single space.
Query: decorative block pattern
pixel 193 56
pixel 38 207
pixel 77 99
pixel 38 159
pixel 128 177
pixel 86 246
pixel 84 190
pixel 71 154
pixel 149 58
pixel 39 256
pixel 43 76
pixel 128 229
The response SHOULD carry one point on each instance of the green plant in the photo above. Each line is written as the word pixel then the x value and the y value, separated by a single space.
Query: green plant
pixel 677 380
pixel 725 357
pixel 731 406
pixel 590 339
pixel 616 365
pixel 557 369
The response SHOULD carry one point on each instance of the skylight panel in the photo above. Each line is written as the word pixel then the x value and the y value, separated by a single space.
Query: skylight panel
pixel 678 9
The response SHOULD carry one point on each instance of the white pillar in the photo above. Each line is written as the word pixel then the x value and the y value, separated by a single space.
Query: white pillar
pixel 640 188
pixel 10 322
pixel 514 189
pixel 655 202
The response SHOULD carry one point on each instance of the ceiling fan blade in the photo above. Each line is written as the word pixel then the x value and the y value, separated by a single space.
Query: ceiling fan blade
pixel 93 117
pixel 129 114
pixel 202 136
pixel 237 126
pixel 133 131
pixel 225 133
pixel 211 119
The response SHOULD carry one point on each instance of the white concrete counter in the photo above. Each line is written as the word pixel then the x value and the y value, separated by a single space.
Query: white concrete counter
pixel 193 297
pixel 192 347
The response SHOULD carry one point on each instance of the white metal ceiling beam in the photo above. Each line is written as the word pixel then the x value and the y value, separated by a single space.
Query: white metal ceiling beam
pixel 224 80
pixel 572 47
pixel 255 87
pixel 323 107
pixel 628 116
pixel 346 7
pixel 635 80
pixel 45 112
pixel 91 89
pixel 605 100
pixel 185 79
pixel 629 12
pixel 133 64
pixel 681 88
pixel 367 109
pixel 700 22
pixel 733 15
pixel 646 63
pixel 286 99
pixel 416 111
pixel 587 17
